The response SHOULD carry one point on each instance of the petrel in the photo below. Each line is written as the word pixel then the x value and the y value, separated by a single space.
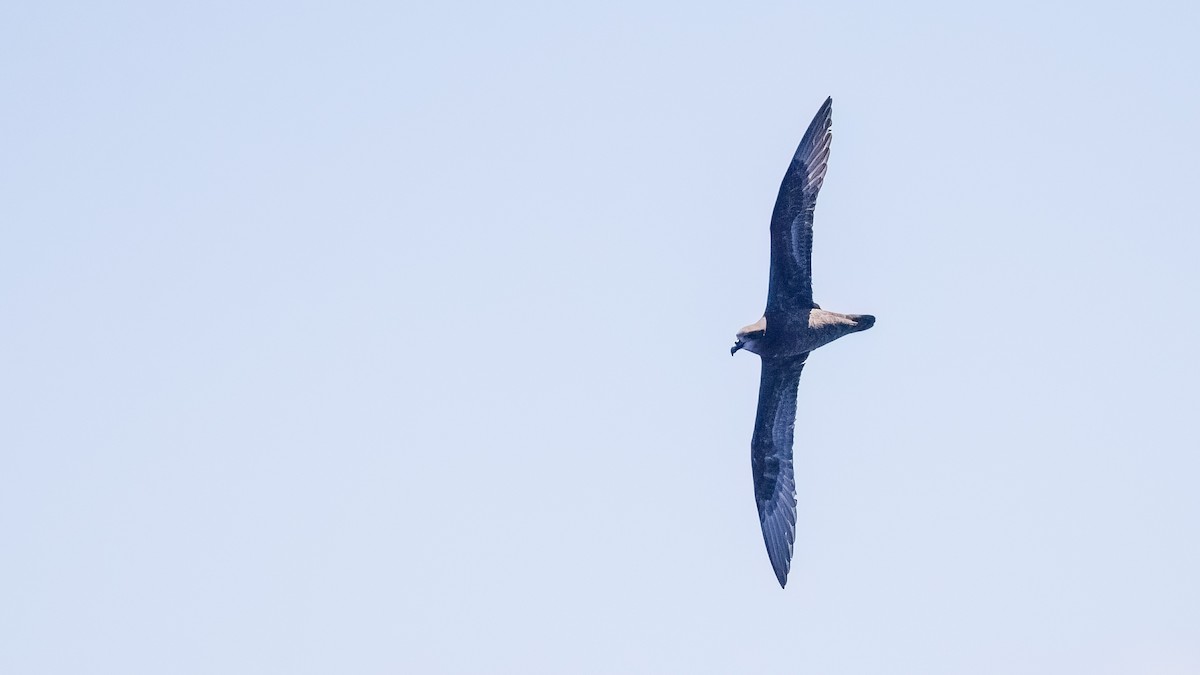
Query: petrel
pixel 792 326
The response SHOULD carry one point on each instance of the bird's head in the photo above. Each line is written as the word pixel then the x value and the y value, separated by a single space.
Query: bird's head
pixel 749 337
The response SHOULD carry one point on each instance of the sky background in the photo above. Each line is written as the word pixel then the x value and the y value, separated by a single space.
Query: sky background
pixel 375 337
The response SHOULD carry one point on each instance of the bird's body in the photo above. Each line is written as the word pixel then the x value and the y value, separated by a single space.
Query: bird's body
pixel 792 327
pixel 802 332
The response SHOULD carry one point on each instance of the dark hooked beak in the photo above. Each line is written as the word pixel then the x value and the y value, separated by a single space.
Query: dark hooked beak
pixel 736 346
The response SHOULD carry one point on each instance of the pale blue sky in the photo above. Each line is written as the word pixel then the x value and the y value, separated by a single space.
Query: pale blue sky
pixel 394 338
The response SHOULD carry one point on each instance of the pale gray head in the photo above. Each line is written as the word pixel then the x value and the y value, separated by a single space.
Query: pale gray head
pixel 750 337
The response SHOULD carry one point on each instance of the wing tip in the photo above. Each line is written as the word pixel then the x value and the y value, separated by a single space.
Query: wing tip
pixel 778 538
pixel 816 137
pixel 782 566
pixel 826 109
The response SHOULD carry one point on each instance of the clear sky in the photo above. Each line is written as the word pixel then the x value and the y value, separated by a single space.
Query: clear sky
pixel 376 337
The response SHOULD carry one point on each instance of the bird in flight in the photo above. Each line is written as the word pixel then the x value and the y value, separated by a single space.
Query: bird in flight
pixel 792 326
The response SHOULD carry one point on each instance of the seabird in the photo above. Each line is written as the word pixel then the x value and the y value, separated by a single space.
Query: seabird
pixel 792 326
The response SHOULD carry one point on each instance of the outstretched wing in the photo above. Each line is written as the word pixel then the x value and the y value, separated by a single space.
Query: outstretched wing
pixel 771 458
pixel 792 221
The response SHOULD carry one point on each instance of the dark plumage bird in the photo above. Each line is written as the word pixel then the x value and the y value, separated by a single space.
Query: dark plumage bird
pixel 792 326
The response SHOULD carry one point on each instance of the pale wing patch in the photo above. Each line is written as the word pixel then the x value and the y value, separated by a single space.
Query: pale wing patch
pixel 819 319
